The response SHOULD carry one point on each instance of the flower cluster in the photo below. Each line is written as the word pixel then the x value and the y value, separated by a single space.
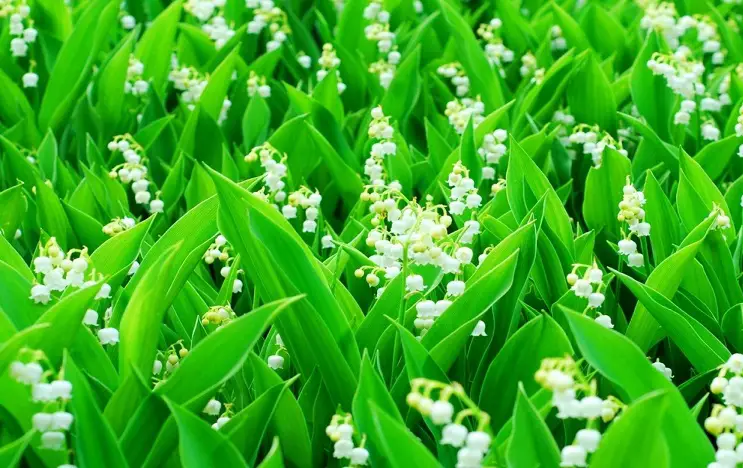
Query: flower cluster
pixel 172 358
pixel 341 432
pixel 473 446
pixel 51 390
pixel 258 84
pixel 722 221
pixel 461 111
pixel 492 150
pixel 213 408
pixel 21 28
pixel 575 396
pixel 106 335
pixel 663 369
pixel 272 162
pixel 382 133
pixel 192 83
pixel 307 200
pixel 588 137
pixel 59 270
pixel 218 31
pixel 267 14
pixel 203 9
pixel 497 53
pixel 529 68
pixel 457 76
pixel 329 62
pixel 463 191
pixel 631 211
pixel 683 75
pixel 662 18
pixel 725 422
pixel 739 129
pixel 134 171
pixel 127 21
pixel 558 42
pixel 218 315
pixel 118 225
pixel 379 31
pixel 276 360
pixel 583 286
pixel 220 250
pixel 135 83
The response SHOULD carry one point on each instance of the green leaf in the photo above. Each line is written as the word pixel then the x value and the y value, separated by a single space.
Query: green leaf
pixel 95 442
pixel 623 363
pixel 74 62
pixel 155 46
pixel 200 445
pixel 401 96
pixel 603 192
pixel 697 195
pixel 269 245
pixel 396 444
pixel 14 208
pixel 199 372
pixel 665 279
pixel 699 345
pixel 654 99
pixel 273 458
pixel 531 443
pixel 483 79
pixel 590 96
pixel 544 338
pixel 10 454
pixel 637 439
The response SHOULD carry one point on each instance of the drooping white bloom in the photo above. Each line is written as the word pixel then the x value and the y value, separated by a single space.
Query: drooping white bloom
pixel 455 288
pixel 453 434
pixel 604 321
pixel 61 389
pixel 343 449
pixel 478 440
pixel 104 292
pixel 588 439
pixel 573 455
pixel 276 361
pixel 41 422
pixel 61 421
pixel 479 329
pixel 663 369
pixel 42 392
pixel 359 456
pixel 108 336
pixel 28 374
pixel 414 283
pixel 627 246
pixel 53 440
pixel 30 80
pixel 40 294
pixel 441 412
pixel 90 318
pixel 636 260
pixel 213 407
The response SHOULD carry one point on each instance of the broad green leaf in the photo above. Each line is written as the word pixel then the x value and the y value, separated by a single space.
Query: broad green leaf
pixel 624 364
pixel 200 445
pixel 199 372
pixel 531 443
pixel 95 442
pixel 637 439
pixel 544 338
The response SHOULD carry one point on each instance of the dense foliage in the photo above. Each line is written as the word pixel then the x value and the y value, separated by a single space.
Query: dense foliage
pixel 397 233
